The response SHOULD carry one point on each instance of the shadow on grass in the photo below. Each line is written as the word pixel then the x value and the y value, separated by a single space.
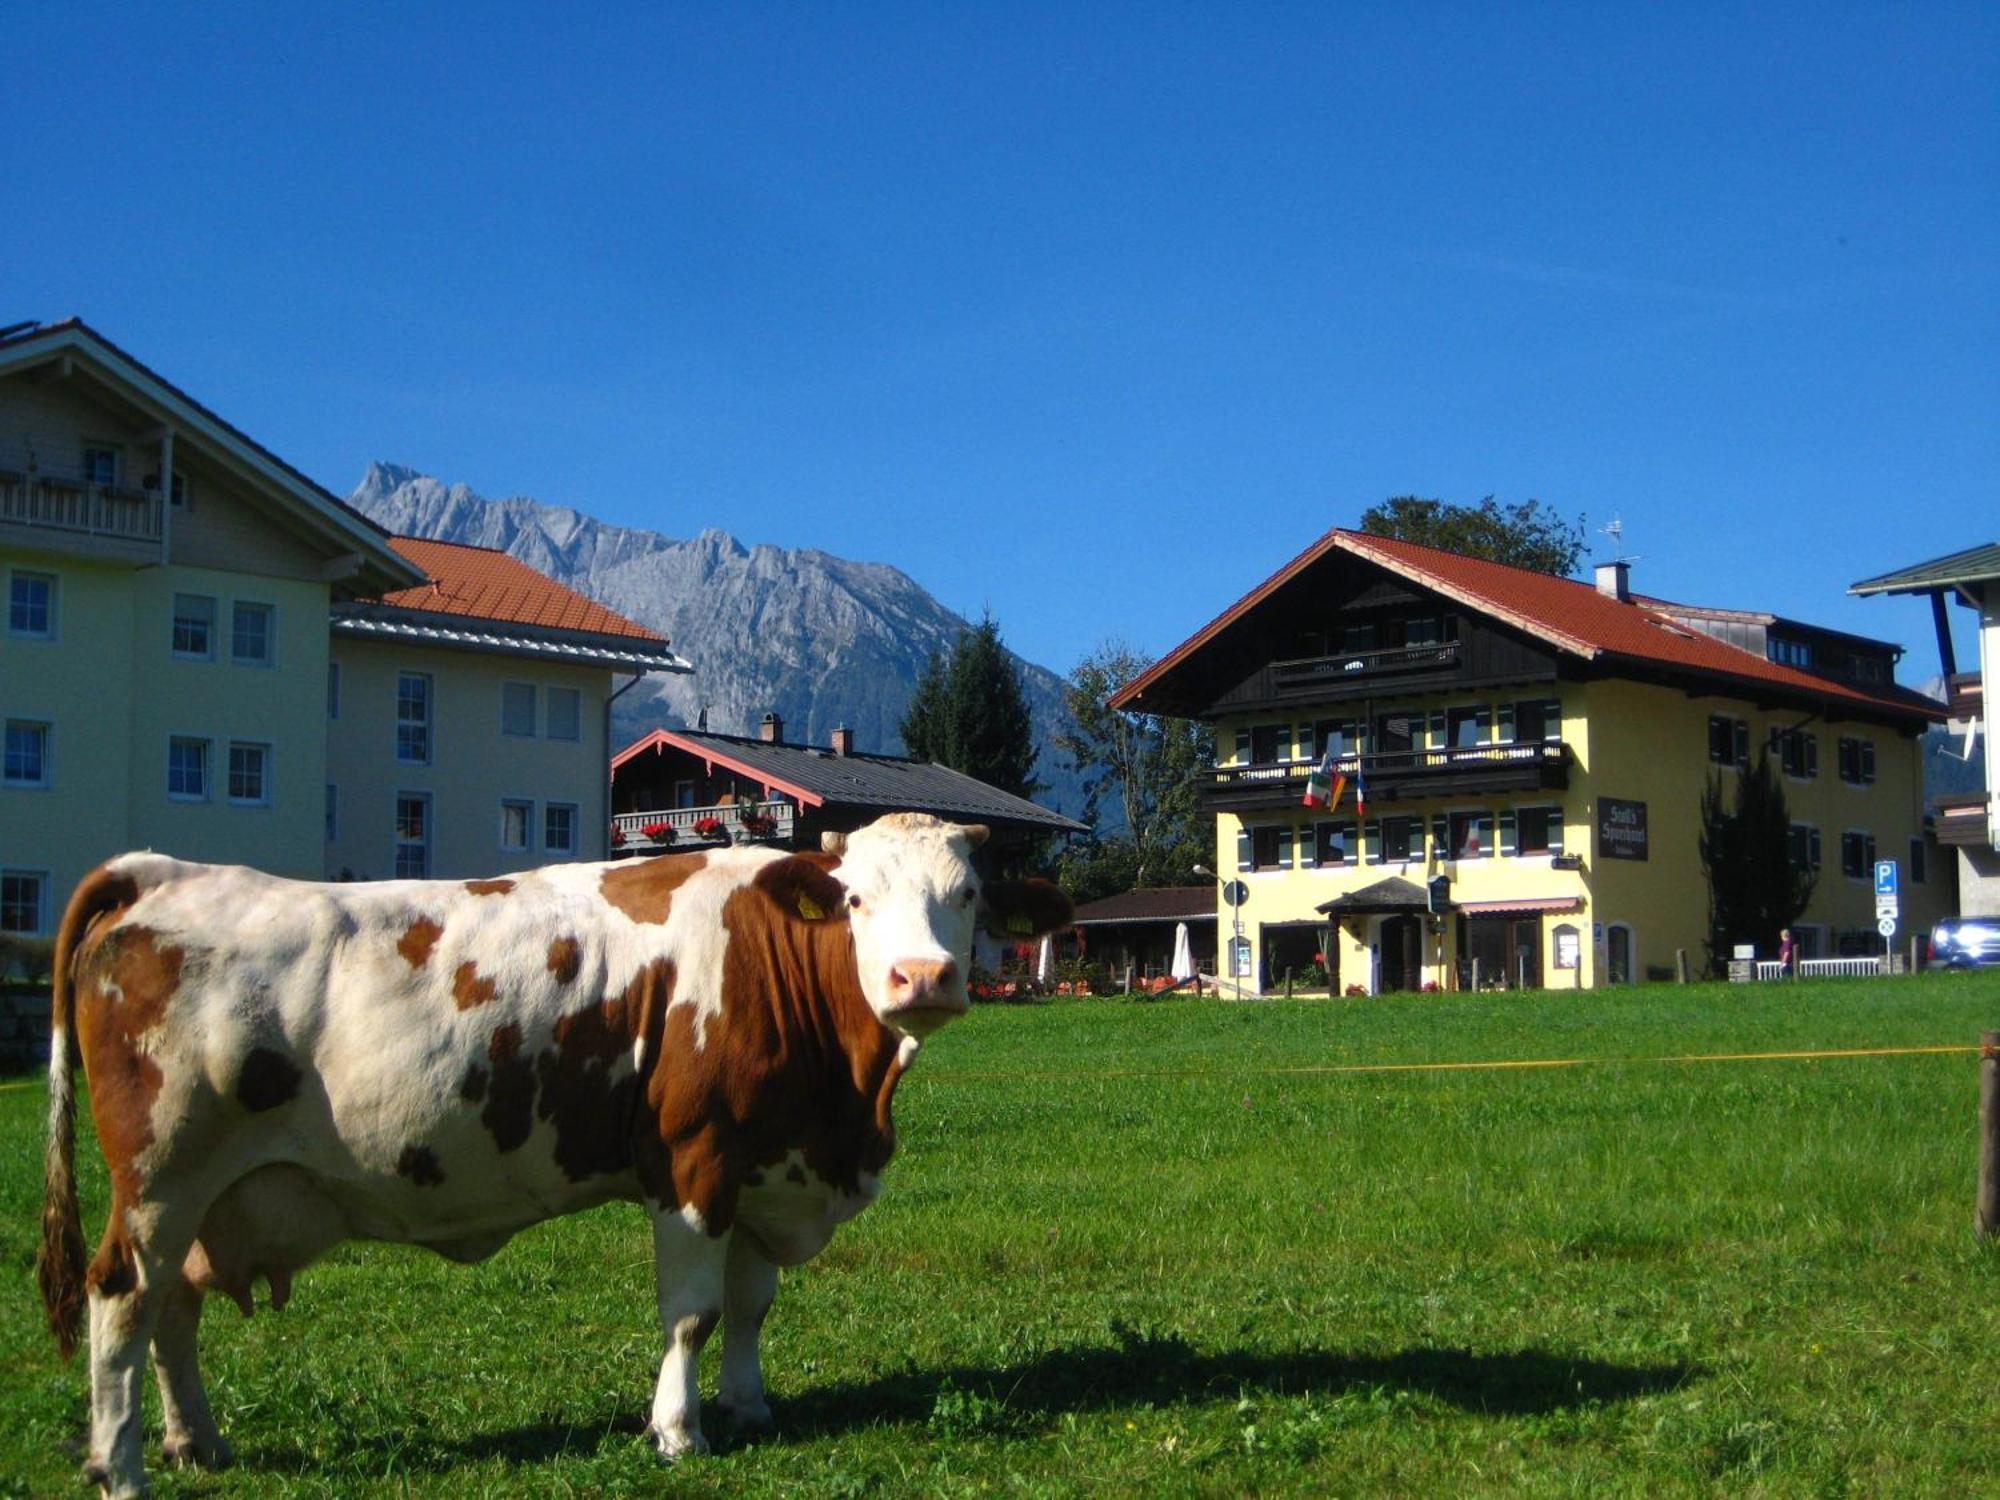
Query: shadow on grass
pixel 1135 1370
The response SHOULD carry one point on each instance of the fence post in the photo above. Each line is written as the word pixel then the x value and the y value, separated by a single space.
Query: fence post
pixel 1288 981
pixel 1914 965
pixel 1680 966
pixel 1128 979
pixel 1988 1213
pixel 1475 976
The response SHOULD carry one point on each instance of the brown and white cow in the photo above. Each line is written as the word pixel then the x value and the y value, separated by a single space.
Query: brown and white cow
pixel 277 1066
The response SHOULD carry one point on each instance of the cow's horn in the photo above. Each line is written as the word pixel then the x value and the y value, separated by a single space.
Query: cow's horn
pixel 975 833
pixel 832 842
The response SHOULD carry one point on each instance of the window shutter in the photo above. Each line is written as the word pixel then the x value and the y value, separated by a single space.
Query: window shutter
pixel 1812 756
pixel 1555 830
pixel 1506 723
pixel 1284 848
pixel 1308 747
pixel 1308 838
pixel 1242 848
pixel 1242 747
pixel 1507 830
pixel 1440 835
pixel 1436 740
pixel 1868 760
pixel 1742 742
pixel 1483 734
pixel 1812 841
pixel 1374 841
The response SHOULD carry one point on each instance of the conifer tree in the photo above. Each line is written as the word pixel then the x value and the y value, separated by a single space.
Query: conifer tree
pixel 1757 885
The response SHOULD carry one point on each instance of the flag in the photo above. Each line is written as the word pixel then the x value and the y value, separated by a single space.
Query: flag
pixel 1322 786
pixel 1360 790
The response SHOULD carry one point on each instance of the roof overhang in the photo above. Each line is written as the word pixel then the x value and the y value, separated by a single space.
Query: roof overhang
pixel 363 621
pixel 660 739
pixel 75 348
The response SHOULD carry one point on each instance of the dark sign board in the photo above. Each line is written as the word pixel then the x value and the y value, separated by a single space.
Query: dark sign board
pixel 1621 828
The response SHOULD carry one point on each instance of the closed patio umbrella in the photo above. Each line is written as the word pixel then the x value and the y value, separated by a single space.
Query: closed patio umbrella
pixel 1045 961
pixel 1183 953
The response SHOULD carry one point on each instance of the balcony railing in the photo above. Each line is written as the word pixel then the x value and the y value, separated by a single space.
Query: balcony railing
pixel 97 510
pixel 1965 694
pixel 773 823
pixel 1454 768
pixel 1318 671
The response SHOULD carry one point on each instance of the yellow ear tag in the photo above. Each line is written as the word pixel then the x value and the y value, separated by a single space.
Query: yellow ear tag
pixel 1020 925
pixel 809 908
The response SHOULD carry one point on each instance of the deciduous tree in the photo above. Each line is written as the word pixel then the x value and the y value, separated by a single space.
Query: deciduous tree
pixel 1528 535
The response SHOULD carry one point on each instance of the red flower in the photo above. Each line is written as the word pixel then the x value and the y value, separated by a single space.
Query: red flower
pixel 659 833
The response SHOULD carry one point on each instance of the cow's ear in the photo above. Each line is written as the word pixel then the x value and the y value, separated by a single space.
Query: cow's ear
pixel 804 885
pixel 1024 908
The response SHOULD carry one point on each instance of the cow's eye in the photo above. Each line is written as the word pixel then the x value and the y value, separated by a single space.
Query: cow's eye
pixel 967 896
pixel 854 903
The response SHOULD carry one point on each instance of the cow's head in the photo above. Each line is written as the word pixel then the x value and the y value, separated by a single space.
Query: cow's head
pixel 912 899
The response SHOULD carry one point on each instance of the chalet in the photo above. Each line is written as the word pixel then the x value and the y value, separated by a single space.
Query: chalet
pixel 1520 761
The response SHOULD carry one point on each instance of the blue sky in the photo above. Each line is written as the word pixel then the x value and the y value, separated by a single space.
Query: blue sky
pixel 1089 314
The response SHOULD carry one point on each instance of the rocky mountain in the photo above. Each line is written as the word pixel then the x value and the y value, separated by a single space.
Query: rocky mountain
pixel 819 640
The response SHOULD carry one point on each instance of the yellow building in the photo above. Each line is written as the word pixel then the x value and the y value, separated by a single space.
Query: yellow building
pixel 1520 761
pixel 180 606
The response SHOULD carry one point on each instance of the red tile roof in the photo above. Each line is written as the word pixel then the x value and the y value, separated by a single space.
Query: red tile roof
pixel 1572 616
pixel 487 584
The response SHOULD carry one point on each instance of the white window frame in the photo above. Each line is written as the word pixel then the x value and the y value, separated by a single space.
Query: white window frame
pixel 115 451
pixel 181 653
pixel 549 810
pixel 207 746
pixel 525 807
pixel 575 697
pixel 509 704
pixel 263 751
pixel 42 880
pixel 31 575
pixel 270 656
pixel 423 723
pixel 47 732
pixel 423 844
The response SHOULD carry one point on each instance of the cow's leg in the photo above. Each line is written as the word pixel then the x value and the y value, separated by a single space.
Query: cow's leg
pixel 688 1269
pixel 190 1434
pixel 128 1284
pixel 751 1283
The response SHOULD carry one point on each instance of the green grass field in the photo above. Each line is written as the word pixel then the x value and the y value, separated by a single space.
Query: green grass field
pixel 1167 1248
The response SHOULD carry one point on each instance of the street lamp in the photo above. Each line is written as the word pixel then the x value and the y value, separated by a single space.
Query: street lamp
pixel 1235 920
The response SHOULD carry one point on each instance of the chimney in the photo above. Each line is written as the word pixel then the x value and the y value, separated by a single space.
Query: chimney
pixel 1614 580
pixel 843 740
pixel 772 730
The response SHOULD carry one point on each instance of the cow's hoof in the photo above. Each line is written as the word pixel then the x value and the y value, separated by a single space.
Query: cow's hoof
pixel 678 1442
pixel 749 1416
pixel 130 1489
pixel 189 1451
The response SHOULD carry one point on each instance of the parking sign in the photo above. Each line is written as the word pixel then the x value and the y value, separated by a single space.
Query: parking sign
pixel 1885 877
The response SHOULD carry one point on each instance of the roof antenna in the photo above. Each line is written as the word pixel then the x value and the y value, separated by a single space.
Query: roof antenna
pixel 1615 529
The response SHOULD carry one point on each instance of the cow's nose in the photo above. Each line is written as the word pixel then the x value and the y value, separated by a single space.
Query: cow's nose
pixel 920 981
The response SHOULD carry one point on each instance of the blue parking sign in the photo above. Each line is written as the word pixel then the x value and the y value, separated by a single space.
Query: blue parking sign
pixel 1885 877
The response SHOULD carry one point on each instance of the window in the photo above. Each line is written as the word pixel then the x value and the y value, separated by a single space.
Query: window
pixel 1468 726
pixel 1270 743
pixel 1428 631
pixel 1341 736
pixel 21 896
pixel 194 626
pixel 249 773
pixel 1531 720
pixel 1471 835
pixel 1359 638
pixel 31 605
pixel 1857 762
pixel 1857 855
pixel 332 812
pixel 1797 752
pixel 333 690
pixel 187 769
pixel 250 633
pixel 1802 843
pixel 1789 653
pixel 1728 741
pixel 1532 830
pixel 27 754
pixel 177 491
pixel 1400 838
pixel 100 463
pixel 559 828
pixel 517 708
pixel 565 714
pixel 684 794
pixel 1334 843
pixel 413 836
pixel 516 818
pixel 1265 848
pixel 413 718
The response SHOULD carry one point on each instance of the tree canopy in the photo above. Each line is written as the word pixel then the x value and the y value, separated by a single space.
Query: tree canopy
pixel 970 711
pixel 1756 884
pixel 1528 534
pixel 1141 773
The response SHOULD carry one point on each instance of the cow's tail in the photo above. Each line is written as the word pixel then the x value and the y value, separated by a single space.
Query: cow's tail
pixel 59 1269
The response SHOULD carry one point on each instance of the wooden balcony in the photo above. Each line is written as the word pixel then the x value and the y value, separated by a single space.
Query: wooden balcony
pixel 1965 695
pixel 100 519
pixel 1397 775
pixel 776 819
pixel 1316 676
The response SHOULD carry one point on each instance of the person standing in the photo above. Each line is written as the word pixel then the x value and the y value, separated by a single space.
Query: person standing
pixel 1788 952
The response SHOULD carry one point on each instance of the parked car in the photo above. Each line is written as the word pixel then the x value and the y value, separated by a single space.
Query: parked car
pixel 1961 942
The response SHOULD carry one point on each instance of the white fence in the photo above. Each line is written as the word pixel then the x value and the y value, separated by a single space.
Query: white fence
pixel 1827 968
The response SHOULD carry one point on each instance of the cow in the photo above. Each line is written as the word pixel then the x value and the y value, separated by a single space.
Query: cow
pixel 278 1066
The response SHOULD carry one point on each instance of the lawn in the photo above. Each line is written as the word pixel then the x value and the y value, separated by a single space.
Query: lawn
pixel 1180 1247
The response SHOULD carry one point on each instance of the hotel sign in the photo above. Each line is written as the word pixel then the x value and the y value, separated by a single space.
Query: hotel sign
pixel 1621 828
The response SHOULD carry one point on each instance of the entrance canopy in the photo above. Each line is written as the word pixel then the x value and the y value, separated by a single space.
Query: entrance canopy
pixel 1522 906
pixel 1391 897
